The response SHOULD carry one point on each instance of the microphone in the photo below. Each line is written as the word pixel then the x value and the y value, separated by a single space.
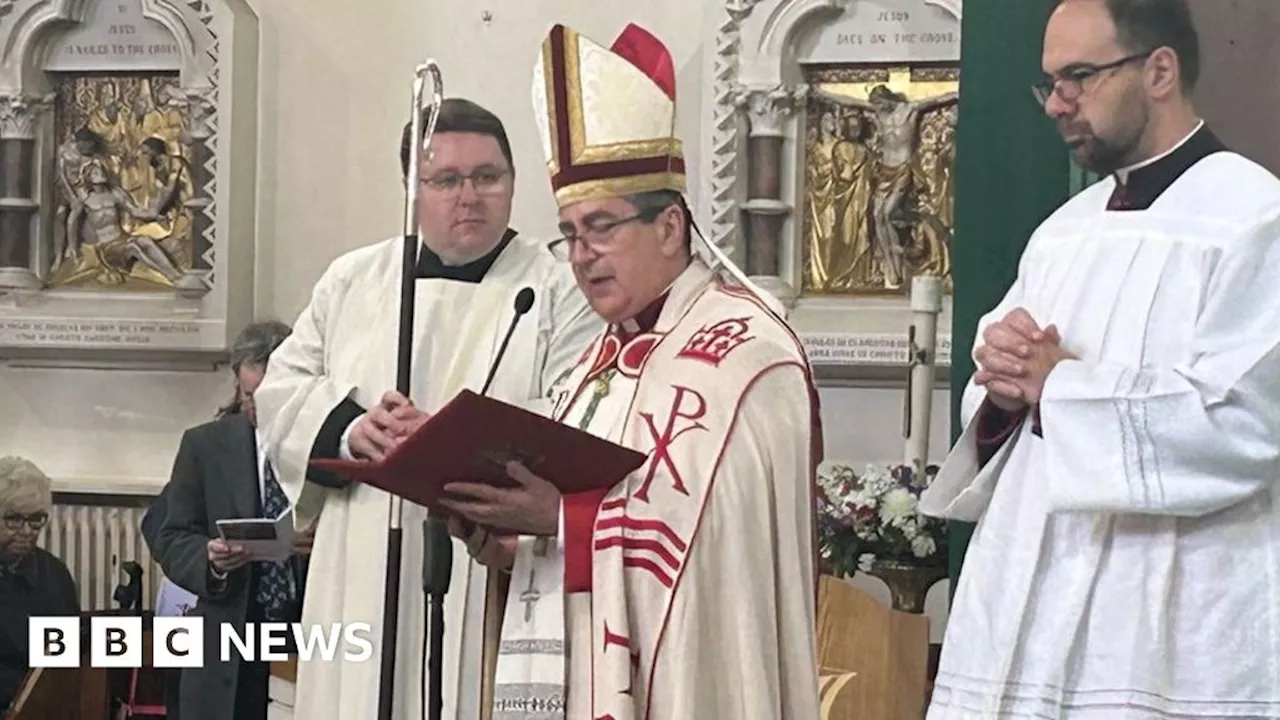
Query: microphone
pixel 524 303
pixel 437 544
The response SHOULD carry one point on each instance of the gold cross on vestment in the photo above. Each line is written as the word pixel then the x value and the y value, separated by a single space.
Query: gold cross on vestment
pixel 599 389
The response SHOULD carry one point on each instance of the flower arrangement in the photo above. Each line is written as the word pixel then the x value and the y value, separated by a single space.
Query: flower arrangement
pixel 876 513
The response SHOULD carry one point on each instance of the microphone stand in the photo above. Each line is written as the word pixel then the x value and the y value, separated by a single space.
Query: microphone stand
pixel 421 139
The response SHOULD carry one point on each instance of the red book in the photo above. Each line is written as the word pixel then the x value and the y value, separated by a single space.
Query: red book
pixel 473 438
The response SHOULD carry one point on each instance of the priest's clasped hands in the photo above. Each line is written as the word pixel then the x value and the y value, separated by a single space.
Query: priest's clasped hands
pixel 384 426
pixel 1016 358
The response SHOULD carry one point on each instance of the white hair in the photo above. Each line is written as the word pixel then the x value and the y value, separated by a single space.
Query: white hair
pixel 23 487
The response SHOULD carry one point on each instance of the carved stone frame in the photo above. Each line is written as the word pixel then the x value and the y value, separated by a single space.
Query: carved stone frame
pixel 753 177
pixel 217 41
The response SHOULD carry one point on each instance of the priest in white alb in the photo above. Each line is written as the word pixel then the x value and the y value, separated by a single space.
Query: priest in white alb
pixel 687 590
pixel 327 393
pixel 1122 443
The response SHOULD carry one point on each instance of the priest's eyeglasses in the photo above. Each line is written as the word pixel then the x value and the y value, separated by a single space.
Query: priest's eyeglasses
pixel 1070 82
pixel 485 181
pixel 14 522
pixel 598 236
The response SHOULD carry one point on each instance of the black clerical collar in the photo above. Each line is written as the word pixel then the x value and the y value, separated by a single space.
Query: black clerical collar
pixel 1144 184
pixel 431 266
pixel 643 321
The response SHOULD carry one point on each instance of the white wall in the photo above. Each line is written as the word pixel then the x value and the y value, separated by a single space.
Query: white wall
pixel 335 80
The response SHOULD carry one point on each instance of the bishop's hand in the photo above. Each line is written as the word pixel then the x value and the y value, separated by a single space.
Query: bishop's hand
pixel 489 549
pixel 383 426
pixel 531 507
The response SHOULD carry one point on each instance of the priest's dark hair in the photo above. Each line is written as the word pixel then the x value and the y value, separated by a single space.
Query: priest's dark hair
pixel 461 116
pixel 1148 25
pixel 252 348
pixel 649 204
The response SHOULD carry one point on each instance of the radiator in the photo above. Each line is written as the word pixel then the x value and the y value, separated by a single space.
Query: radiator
pixel 94 541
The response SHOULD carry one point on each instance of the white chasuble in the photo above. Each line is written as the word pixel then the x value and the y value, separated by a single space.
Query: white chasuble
pixel 688 589
pixel 1126 564
pixel 344 346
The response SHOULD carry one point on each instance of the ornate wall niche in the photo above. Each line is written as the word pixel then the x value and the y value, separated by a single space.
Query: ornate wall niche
pixel 127 176
pixel 778 66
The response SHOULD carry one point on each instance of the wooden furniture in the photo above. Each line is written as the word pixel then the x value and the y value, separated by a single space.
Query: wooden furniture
pixel 886 651
pixel 87 693
pixel 280 689
pixel 63 694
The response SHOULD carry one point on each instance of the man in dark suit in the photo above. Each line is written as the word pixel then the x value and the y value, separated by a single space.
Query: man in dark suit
pixel 221 473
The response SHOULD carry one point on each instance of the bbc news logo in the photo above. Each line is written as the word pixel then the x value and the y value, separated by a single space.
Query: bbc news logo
pixel 178 642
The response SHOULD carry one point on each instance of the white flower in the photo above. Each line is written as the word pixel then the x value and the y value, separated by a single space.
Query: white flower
pixel 898 504
pixel 922 546
pixel 910 528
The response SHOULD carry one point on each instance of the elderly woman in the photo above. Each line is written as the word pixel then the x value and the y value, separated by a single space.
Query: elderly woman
pixel 32 581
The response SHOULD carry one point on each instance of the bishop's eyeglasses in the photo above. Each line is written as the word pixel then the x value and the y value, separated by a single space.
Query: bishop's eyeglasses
pixel 485 181
pixel 1069 84
pixel 597 235
pixel 14 522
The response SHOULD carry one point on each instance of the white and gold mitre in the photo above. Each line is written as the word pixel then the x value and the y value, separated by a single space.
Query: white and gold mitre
pixel 607 115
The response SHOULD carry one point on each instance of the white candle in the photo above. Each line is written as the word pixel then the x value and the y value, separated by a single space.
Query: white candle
pixel 926 303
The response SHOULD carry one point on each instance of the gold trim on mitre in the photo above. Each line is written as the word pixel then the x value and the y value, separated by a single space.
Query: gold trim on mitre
pixel 619 187
pixel 548 79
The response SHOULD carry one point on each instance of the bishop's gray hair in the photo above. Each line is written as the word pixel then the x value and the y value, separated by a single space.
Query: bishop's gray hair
pixel 649 204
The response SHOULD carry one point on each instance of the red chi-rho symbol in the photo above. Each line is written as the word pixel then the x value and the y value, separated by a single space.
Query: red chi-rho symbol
pixel 713 343
pixel 660 458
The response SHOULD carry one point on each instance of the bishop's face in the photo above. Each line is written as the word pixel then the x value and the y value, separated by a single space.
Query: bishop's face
pixel 1099 102
pixel 464 196
pixel 623 259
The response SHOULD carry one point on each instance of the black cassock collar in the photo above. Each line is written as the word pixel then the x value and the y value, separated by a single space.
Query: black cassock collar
pixel 430 266
pixel 1143 185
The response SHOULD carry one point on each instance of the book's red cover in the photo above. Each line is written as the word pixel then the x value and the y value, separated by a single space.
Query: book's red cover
pixel 472 438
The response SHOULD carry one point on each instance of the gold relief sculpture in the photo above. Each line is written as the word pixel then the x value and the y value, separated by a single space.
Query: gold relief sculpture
pixel 879 151
pixel 122 174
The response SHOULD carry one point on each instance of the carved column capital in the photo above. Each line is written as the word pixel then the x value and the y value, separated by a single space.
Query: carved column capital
pixel 19 114
pixel 767 108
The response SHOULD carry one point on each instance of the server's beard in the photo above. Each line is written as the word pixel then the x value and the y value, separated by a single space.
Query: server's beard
pixel 1118 149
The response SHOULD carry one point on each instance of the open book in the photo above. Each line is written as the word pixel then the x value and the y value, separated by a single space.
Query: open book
pixel 473 437
pixel 266 540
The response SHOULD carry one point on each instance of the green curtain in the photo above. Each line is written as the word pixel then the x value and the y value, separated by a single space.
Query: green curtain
pixel 1012 170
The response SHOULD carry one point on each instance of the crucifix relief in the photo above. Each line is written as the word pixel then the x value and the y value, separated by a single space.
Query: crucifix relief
pixel 880 148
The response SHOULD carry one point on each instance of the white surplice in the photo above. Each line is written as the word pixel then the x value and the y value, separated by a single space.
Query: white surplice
pixel 343 345
pixel 1126 565
pixel 701 563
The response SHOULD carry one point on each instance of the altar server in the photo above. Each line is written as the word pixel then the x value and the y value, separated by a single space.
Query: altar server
pixel 327 393
pixel 1123 435
pixel 687 590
